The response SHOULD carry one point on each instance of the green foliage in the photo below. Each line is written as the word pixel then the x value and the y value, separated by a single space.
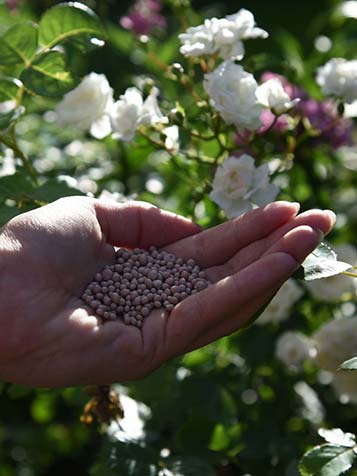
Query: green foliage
pixel 47 75
pixel 69 21
pixel 231 408
pixel 19 44
pixel 331 459
pixel 327 460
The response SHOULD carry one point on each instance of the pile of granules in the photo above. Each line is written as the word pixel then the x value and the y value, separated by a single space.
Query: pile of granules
pixel 141 281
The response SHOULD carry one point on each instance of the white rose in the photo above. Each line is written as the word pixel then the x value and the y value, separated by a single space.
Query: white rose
pixel 271 94
pixel 198 40
pixel 125 114
pixel 131 111
pixel 238 185
pixel 244 25
pixel 86 106
pixel 232 91
pixel 335 342
pixel 292 348
pixel 333 288
pixel 338 77
pixel 222 35
pixel 279 307
pixel 234 28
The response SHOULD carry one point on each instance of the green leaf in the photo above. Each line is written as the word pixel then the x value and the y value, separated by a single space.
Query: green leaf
pixel 69 21
pixel 321 263
pixel 15 186
pixel 47 76
pixel 19 43
pixel 6 213
pixel 337 437
pixel 350 364
pixel 18 391
pixel 9 88
pixel 327 460
pixel 54 189
pixel 8 118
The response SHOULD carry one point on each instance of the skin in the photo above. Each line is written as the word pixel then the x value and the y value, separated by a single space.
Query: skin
pixel 49 255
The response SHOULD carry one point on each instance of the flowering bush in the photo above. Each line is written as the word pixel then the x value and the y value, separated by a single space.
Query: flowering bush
pixel 209 117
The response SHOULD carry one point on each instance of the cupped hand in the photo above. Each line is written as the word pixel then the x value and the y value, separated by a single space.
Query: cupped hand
pixel 48 256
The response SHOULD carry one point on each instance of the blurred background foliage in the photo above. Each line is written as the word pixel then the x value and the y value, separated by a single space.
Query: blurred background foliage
pixel 230 409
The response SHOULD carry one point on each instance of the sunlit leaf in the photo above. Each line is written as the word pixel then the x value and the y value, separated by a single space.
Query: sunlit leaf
pixel 69 21
pixel 327 460
pixel 48 75
pixel 350 364
pixel 19 43
pixel 321 263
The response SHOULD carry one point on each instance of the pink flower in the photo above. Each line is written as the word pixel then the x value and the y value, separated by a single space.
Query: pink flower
pixel 323 116
pixel 12 4
pixel 144 17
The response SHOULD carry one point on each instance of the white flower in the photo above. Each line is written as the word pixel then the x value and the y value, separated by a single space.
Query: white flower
pixel 131 111
pixel 338 77
pixel 350 109
pixel 222 35
pixel 234 28
pixel 335 342
pixel 271 94
pixel 172 138
pixel 348 8
pixel 86 106
pixel 150 112
pixel 333 288
pixel 198 40
pixel 232 91
pixel 279 307
pixel 292 348
pixel 238 184
pixel 125 114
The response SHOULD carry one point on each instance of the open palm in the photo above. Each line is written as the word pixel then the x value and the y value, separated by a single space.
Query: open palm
pixel 49 255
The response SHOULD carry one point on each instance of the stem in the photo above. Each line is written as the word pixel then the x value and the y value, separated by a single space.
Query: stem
pixel 347 273
pixel 12 144
pixel 272 125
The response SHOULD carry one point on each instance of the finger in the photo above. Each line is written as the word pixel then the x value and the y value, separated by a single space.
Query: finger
pixel 140 224
pixel 217 245
pixel 200 317
pixel 229 326
pixel 317 219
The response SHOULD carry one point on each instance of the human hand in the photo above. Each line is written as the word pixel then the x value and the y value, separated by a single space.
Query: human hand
pixel 48 256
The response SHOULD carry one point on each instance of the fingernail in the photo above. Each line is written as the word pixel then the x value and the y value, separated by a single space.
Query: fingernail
pixel 331 214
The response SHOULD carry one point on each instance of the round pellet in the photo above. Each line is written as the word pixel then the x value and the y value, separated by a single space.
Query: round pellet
pixel 140 281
